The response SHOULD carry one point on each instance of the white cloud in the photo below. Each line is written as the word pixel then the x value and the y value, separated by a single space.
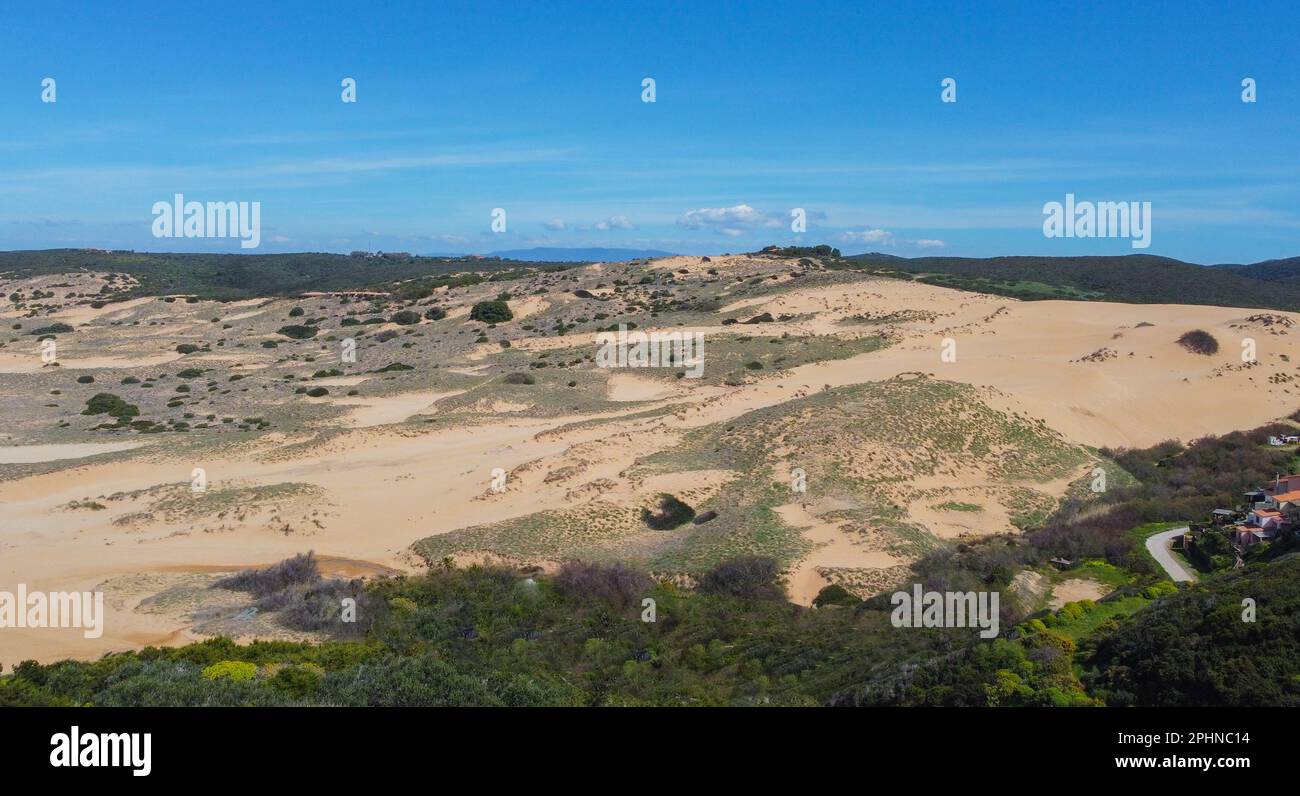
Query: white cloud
pixel 879 237
pixel 555 224
pixel 731 221
pixel 926 243
pixel 614 222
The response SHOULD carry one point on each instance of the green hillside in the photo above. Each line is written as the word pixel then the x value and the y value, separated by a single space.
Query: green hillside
pixel 1134 279
pixel 238 276
pixel 1286 271
pixel 1199 647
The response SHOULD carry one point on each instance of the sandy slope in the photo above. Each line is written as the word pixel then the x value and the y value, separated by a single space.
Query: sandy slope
pixel 833 549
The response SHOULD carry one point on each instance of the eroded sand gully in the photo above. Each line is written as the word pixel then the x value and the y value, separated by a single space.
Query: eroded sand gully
pixel 377 490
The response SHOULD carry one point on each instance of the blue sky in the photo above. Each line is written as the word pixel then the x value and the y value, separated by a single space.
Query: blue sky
pixel 760 107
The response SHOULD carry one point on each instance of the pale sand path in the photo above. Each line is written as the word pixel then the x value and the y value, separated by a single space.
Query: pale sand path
pixel 31 454
pixel 69 359
pixel 833 549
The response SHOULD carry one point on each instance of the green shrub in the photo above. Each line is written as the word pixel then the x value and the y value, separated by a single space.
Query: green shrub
pixel 105 403
pixel 297 681
pixel 233 670
pixel 495 311
pixel 1157 590
pixel 297 332
pixel 54 328
pixel 405 318
pixel 413 291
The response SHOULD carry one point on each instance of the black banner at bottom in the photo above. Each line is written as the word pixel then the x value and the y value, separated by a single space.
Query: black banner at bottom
pixel 315 744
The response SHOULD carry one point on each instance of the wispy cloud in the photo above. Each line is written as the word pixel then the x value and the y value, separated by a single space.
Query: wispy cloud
pixel 252 175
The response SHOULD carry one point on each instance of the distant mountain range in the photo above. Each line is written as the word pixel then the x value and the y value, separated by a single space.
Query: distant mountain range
pixel 560 255
pixel 1134 278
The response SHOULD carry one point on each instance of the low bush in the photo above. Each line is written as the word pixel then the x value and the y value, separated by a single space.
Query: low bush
pixel 615 585
pixel 748 577
pixel 105 403
pixel 301 569
pixel 54 328
pixel 669 513
pixel 1199 341
pixel 297 332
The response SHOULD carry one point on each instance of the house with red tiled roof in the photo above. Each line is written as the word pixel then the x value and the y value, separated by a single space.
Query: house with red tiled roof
pixel 1268 519
pixel 1284 501
pixel 1246 535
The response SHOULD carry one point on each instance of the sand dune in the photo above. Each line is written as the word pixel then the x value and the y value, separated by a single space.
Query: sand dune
pixel 1100 374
